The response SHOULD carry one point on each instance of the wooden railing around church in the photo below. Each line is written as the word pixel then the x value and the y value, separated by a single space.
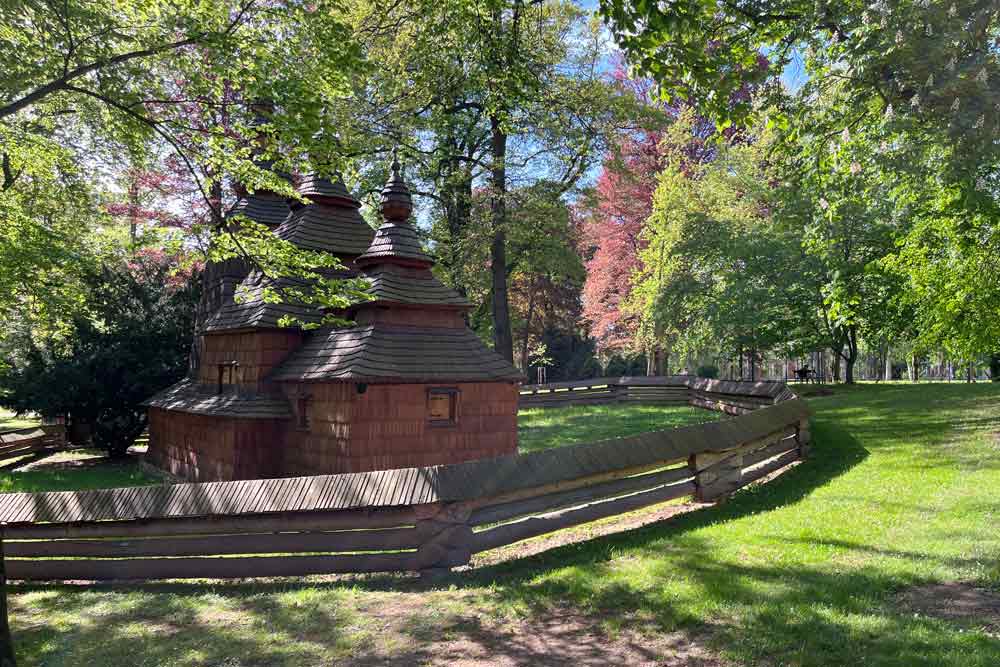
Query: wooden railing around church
pixel 417 519
pixel 33 440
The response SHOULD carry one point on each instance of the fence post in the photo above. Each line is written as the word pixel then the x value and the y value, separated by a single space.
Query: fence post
pixel 804 438
pixel 7 658
pixel 445 538
pixel 717 474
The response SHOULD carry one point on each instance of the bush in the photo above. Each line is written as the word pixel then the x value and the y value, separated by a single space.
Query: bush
pixel 707 371
pixel 131 339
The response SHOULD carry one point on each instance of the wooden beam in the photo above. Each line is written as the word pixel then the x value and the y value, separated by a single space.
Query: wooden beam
pixel 539 525
pixel 754 474
pixel 172 545
pixel 204 568
pixel 246 523
pixel 552 501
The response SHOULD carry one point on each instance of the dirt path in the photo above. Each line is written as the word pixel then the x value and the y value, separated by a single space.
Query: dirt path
pixel 563 638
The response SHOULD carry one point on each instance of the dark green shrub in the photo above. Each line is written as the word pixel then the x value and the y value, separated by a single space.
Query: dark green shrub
pixel 707 371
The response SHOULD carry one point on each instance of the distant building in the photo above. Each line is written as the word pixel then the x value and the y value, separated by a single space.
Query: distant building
pixel 408 384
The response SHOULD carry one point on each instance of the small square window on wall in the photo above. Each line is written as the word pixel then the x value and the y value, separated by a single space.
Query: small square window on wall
pixel 442 406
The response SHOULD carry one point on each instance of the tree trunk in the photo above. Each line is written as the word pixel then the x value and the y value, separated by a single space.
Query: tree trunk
pixel 838 356
pixel 995 367
pixel 503 340
pixel 6 641
pixel 914 368
pixel 527 325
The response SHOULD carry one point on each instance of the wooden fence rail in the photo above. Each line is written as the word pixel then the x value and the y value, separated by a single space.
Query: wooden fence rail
pixel 34 440
pixel 418 519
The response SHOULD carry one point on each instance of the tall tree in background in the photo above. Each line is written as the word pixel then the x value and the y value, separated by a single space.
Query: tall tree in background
pixel 494 95
pixel 82 83
pixel 927 75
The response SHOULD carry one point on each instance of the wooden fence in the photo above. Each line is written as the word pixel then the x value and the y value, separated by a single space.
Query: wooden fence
pixel 32 440
pixel 416 519
pixel 731 397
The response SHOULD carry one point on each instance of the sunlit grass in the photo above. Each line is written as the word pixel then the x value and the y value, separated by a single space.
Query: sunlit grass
pixel 11 422
pixel 542 428
pixel 75 470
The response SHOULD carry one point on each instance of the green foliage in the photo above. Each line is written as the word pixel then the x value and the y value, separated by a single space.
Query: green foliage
pixel 888 144
pixel 236 92
pixel 87 474
pixel 707 371
pixel 130 338
pixel 716 271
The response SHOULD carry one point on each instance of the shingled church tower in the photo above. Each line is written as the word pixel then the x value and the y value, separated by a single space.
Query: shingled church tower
pixel 408 384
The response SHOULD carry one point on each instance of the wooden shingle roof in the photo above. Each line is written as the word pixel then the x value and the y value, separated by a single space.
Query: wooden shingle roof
pixel 339 230
pixel 387 353
pixel 190 396
pixel 388 286
pixel 265 208
pixel 395 240
pixel 330 224
pixel 314 185
pixel 252 311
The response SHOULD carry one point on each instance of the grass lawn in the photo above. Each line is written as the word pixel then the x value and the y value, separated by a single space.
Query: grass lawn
pixel 903 490
pixel 75 470
pixel 542 428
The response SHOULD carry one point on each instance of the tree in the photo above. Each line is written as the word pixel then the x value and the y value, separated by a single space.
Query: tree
pixel 97 81
pixel 492 95
pixel 128 340
pixel 925 77
pixel 716 271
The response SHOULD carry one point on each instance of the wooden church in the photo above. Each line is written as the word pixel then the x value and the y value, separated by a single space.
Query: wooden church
pixel 407 384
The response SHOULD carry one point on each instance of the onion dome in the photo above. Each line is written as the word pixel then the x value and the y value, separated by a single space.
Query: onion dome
pixel 397 205
pixel 397 240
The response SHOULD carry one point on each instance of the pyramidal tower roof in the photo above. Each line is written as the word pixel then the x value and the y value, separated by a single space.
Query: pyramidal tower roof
pixel 330 222
pixel 393 341
pixel 395 262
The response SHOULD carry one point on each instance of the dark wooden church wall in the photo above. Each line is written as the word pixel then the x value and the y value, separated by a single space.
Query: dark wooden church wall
pixel 388 427
pixel 255 354
pixel 205 448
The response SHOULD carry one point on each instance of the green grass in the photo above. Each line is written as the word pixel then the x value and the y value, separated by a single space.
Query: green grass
pixel 542 428
pixel 903 489
pixel 76 470
pixel 11 422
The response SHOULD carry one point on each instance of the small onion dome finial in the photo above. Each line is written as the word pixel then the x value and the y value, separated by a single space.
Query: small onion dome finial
pixel 396 202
